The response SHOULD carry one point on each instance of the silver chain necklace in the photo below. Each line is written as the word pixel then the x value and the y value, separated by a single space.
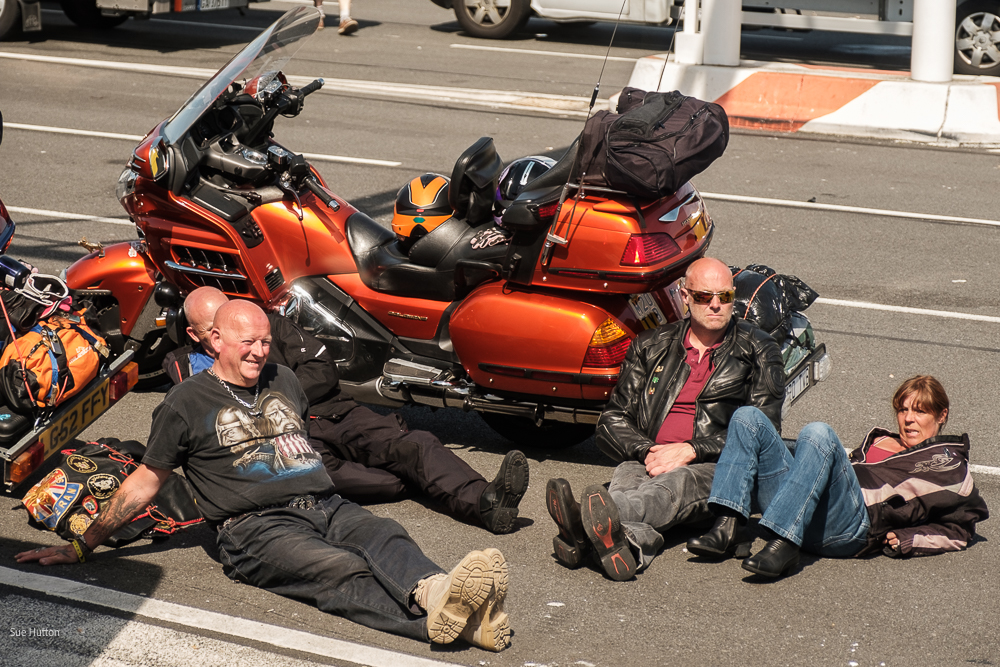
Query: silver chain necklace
pixel 252 407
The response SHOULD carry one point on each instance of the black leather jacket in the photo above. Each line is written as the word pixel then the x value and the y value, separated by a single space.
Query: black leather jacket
pixel 748 370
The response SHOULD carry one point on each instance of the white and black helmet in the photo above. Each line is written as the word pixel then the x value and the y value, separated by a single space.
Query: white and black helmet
pixel 515 177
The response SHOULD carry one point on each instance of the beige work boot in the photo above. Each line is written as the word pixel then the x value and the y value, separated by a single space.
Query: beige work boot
pixel 489 627
pixel 347 26
pixel 451 599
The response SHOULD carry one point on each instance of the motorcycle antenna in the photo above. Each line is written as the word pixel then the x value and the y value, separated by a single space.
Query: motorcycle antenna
pixel 607 54
pixel 551 237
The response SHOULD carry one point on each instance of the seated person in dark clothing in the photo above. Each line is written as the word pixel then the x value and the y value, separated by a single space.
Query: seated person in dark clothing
pixel 238 432
pixel 369 457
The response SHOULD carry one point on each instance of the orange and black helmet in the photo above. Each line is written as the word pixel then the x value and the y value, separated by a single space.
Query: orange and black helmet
pixel 423 202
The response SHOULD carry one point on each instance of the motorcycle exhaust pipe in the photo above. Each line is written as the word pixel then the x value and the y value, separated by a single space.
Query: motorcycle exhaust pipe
pixel 443 394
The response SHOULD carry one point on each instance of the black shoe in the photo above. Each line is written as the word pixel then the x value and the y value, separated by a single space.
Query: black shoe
pixel 726 539
pixel 775 559
pixel 601 524
pixel 571 544
pixel 498 504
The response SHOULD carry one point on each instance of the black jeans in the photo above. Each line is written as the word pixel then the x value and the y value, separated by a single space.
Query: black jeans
pixel 375 458
pixel 337 556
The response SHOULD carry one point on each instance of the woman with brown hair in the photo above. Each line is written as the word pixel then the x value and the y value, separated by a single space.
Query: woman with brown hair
pixel 906 493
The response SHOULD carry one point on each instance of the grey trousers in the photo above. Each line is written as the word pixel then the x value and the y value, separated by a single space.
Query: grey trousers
pixel 649 506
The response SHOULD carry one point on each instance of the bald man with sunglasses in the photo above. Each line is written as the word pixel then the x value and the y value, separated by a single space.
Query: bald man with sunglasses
pixel 666 425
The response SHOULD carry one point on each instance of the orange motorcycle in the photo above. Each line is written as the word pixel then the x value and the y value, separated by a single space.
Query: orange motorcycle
pixel 525 322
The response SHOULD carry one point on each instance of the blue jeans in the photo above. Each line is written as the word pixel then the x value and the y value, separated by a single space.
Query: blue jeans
pixel 337 556
pixel 811 497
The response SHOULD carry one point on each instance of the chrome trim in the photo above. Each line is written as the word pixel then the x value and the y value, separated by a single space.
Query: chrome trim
pixel 457 394
pixel 671 215
pixel 174 266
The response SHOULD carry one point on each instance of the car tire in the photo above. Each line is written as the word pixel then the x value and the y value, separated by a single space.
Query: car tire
pixel 10 18
pixel 977 52
pixel 490 19
pixel 86 14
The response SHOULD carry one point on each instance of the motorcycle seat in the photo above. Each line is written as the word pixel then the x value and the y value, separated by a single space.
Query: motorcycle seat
pixel 384 268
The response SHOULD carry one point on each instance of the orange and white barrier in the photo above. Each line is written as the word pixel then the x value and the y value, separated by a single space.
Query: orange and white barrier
pixel 838 101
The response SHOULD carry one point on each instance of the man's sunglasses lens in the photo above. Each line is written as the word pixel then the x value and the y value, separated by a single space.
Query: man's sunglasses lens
pixel 706 297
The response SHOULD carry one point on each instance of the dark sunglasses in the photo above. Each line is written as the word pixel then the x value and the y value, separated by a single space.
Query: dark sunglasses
pixel 705 298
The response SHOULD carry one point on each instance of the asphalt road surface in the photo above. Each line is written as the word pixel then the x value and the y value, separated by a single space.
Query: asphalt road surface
pixel 71 124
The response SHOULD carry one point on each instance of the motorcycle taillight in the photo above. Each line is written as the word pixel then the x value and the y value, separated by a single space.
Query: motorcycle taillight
pixel 646 249
pixel 607 346
pixel 546 212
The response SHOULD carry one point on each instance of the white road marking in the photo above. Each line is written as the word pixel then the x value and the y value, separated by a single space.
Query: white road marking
pixel 910 311
pixel 565 105
pixel 67 130
pixel 536 52
pixel 222 624
pixel 864 305
pixel 849 209
pixel 68 216
pixel 135 137
pixel 351 160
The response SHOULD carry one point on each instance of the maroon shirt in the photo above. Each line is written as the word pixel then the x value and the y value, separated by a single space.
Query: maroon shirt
pixel 679 423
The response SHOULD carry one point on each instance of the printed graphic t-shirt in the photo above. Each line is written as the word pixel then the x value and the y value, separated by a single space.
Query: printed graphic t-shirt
pixel 238 459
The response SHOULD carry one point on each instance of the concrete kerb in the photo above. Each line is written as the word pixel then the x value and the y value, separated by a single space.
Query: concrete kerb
pixel 836 101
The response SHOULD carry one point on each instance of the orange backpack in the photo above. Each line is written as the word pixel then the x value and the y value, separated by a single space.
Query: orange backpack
pixel 55 360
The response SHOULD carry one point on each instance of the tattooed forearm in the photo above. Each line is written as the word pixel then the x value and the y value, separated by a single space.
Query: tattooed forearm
pixel 136 492
pixel 121 509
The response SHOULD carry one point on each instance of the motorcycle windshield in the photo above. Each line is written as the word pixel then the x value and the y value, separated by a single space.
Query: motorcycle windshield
pixel 270 52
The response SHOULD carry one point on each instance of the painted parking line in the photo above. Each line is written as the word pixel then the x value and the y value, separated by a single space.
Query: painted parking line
pixel 60 215
pixel 537 52
pixel 864 305
pixel 929 217
pixel 910 311
pixel 742 199
pixel 68 130
pixel 222 624
pixel 563 105
pixel 136 138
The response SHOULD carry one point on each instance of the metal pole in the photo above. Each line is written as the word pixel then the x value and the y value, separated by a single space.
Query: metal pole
pixel 932 51
pixel 689 43
pixel 720 24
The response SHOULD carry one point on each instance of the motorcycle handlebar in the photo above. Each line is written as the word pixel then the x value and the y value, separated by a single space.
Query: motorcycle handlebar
pixel 312 87
pixel 321 192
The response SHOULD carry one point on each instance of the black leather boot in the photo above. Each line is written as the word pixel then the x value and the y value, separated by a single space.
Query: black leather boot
pixel 776 558
pixel 726 539
pixel 499 501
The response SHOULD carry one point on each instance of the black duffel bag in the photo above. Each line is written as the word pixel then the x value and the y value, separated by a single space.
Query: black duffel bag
pixel 74 494
pixel 661 141
pixel 767 298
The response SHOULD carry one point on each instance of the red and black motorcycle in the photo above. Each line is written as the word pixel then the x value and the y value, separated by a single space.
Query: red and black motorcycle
pixel 530 333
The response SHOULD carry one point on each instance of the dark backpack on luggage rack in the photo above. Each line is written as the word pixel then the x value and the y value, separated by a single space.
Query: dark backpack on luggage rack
pixel 661 141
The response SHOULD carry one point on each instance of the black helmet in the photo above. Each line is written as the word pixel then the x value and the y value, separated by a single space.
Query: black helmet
pixel 514 177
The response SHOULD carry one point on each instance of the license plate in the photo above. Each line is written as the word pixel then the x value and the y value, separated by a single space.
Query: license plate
pixel 82 415
pixel 644 307
pixel 205 5
pixel 798 385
